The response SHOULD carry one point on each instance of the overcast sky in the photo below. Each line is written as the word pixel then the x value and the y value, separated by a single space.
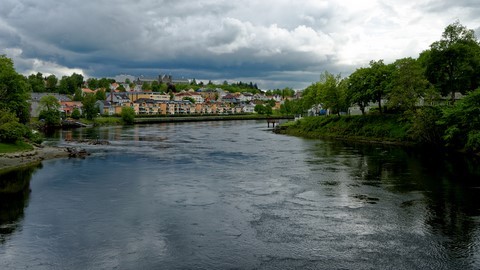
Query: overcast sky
pixel 275 43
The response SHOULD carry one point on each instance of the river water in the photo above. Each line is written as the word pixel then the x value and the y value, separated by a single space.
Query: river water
pixel 233 195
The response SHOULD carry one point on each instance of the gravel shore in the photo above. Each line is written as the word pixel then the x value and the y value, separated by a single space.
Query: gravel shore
pixel 13 160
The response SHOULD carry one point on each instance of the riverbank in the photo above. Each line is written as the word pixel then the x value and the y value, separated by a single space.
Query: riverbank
pixel 10 161
pixel 387 129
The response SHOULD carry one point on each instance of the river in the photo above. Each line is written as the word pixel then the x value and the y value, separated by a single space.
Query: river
pixel 234 195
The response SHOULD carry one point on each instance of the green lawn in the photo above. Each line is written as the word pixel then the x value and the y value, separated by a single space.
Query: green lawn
pixel 17 147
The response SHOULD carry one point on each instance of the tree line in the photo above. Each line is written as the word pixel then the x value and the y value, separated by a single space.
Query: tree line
pixel 451 65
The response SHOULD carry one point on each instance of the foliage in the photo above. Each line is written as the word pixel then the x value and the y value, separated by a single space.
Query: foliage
pixel 425 128
pixel 100 94
pixel 78 95
pixel 379 79
pixel 358 89
pixel 260 109
pixel 76 114
pixel 189 99
pixel 14 90
pixel 453 63
pixel 369 127
pixel 408 85
pixel 37 83
pixel 462 123
pixel 49 103
pixel 51 84
pixel 69 84
pixel 90 110
pixel 128 115
pixel 50 118
pixel 12 131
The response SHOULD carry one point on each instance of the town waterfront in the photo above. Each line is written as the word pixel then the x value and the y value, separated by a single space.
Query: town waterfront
pixel 234 195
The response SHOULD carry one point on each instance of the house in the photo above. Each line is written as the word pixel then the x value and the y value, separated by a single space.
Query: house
pixel 118 98
pixel 229 98
pixel 68 107
pixel 249 108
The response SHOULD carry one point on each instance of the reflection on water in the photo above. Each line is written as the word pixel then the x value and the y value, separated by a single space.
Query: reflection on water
pixel 223 195
pixel 14 194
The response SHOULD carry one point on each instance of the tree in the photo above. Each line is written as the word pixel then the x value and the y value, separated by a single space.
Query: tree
pixel 128 115
pixel 78 95
pixel 100 95
pixel 462 123
pixel 358 89
pixel 37 82
pixel 76 114
pixel 453 63
pixel 50 111
pixel 408 84
pixel 51 84
pixel 14 90
pixel 379 78
pixel 146 86
pixel 332 92
pixel 189 99
pixel 90 110
pixel 260 109
pixel 92 83
pixel 10 129
pixel 121 88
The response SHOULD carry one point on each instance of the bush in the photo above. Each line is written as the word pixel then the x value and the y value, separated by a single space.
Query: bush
pixel 128 115
pixel 12 131
pixel 76 114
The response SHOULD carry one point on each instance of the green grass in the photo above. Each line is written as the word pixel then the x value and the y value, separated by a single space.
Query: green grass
pixel 386 128
pixel 16 147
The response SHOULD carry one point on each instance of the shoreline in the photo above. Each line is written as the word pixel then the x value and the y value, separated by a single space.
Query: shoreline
pixel 17 160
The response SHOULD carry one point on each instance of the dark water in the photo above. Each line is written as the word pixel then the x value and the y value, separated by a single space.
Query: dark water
pixel 233 195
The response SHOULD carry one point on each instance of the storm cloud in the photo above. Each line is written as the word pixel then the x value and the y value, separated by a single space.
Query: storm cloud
pixel 277 44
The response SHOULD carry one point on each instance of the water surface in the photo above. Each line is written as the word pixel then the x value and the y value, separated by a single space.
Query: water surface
pixel 233 195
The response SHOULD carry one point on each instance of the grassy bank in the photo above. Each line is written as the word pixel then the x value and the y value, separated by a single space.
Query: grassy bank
pixel 377 128
pixel 15 147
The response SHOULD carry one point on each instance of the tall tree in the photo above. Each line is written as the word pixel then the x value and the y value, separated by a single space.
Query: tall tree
pixel 332 95
pixel 453 63
pixel 408 84
pixel 51 84
pixel 50 111
pixel 14 90
pixel 90 109
pixel 37 82
pixel 379 79
pixel 358 89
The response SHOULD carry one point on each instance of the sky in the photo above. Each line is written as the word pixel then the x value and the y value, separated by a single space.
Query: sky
pixel 274 43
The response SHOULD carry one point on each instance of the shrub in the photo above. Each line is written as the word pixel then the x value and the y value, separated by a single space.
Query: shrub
pixel 128 115
pixel 12 131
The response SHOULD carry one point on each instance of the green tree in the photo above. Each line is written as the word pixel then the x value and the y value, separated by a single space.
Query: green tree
pixel 379 79
pixel 453 63
pixel 121 88
pixel 462 122
pixel 260 109
pixel 189 99
pixel 76 114
pixel 78 95
pixel 51 84
pixel 358 88
pixel 10 129
pixel 37 82
pixel 90 110
pixel 14 90
pixel 146 86
pixel 50 111
pixel 332 92
pixel 408 85
pixel 100 95
pixel 128 115
pixel 92 83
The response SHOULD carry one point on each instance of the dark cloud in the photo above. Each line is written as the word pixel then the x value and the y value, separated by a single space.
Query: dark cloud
pixel 275 43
